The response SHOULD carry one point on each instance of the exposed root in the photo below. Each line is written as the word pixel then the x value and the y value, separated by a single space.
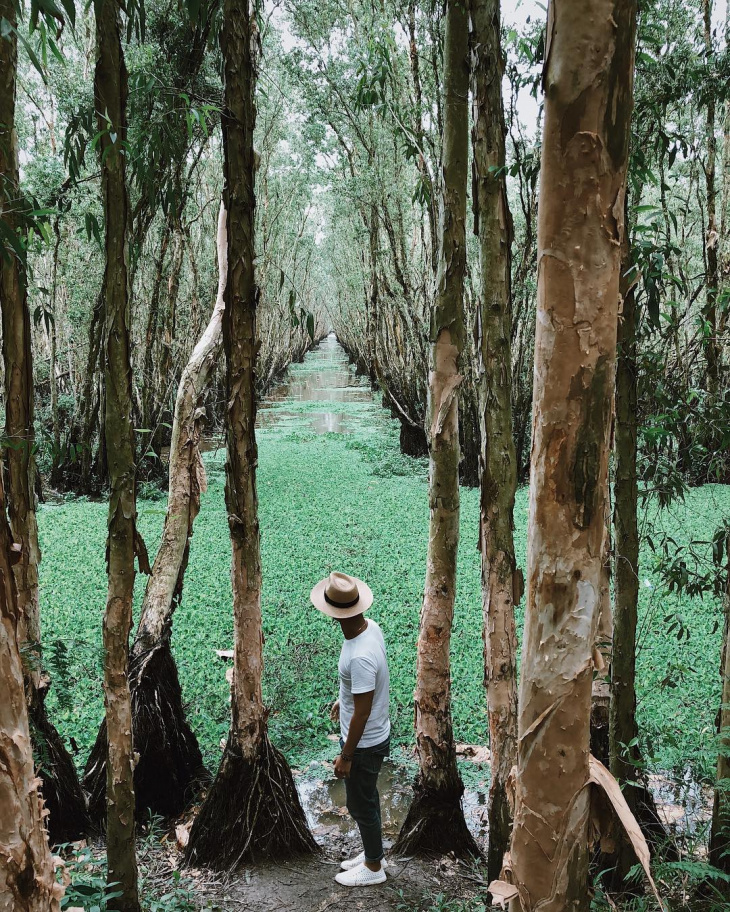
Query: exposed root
pixel 413 440
pixel 170 769
pixel 435 824
pixel 68 817
pixel 252 811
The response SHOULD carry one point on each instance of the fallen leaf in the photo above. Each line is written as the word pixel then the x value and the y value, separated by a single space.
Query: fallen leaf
pixel 601 777
pixel 182 833
pixel 502 892
pixel 474 753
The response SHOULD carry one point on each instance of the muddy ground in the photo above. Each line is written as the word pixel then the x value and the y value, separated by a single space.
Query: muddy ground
pixel 308 885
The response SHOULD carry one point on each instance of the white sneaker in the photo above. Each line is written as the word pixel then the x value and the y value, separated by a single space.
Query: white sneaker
pixel 361 876
pixel 350 863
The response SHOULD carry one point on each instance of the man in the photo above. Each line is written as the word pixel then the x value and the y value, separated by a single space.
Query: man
pixel 363 709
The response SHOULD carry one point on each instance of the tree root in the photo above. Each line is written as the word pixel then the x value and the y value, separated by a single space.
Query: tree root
pixel 252 811
pixel 435 824
pixel 170 769
pixel 68 817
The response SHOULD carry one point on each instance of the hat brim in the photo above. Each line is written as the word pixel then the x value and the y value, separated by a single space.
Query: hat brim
pixel 321 604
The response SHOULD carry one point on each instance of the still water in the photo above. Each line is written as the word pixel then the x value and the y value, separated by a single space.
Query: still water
pixel 322 394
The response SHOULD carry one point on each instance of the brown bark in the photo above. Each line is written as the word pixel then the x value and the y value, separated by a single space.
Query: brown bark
pixel 713 350
pixel 170 765
pixel 588 79
pixel 148 368
pixel 64 799
pixel 90 406
pixel 18 362
pixel 720 826
pixel 622 713
pixel 27 881
pixel 373 294
pixel 110 96
pixel 252 808
pixel 501 581
pixel 435 821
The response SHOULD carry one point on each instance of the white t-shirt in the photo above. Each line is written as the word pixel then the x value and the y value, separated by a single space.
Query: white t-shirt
pixel 363 667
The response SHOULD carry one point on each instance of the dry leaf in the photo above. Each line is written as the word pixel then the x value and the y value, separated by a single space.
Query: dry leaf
pixel 182 834
pixel 601 777
pixel 475 753
pixel 502 892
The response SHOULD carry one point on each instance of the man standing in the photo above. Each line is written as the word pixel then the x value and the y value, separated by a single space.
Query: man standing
pixel 363 709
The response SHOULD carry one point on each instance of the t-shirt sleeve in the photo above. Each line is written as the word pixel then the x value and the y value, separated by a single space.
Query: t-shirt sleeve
pixel 363 670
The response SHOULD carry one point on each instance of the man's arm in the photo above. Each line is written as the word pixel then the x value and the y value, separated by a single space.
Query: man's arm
pixel 363 708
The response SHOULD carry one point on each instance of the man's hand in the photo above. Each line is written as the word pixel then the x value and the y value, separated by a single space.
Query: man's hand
pixel 342 768
pixel 335 711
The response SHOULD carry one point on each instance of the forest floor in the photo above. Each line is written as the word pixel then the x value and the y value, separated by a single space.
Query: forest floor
pixel 308 885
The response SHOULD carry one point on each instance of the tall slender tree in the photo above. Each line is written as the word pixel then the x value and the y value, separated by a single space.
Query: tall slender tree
pixel 27 881
pixel 501 581
pixel 110 98
pixel 61 790
pixel 588 80
pixel 170 766
pixel 435 820
pixel 252 807
pixel 720 826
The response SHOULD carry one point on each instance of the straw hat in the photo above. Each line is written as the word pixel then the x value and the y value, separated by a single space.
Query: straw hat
pixel 341 596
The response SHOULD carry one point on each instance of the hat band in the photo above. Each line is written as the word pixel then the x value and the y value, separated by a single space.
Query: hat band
pixel 341 604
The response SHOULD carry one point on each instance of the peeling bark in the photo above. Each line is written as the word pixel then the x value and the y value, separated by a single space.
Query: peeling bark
pixel 110 94
pixel 252 809
pixel 501 581
pixel 713 348
pixel 170 766
pixel 435 821
pixel 64 799
pixel 720 827
pixel 27 881
pixel 588 79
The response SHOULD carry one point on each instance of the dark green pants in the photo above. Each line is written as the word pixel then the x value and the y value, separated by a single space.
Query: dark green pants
pixel 363 800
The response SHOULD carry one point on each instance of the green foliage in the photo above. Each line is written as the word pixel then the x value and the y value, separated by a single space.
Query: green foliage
pixel 351 501
pixel 89 891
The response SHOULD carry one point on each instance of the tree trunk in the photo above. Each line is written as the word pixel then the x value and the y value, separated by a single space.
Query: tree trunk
pixel 252 808
pixel 27 881
pixel 501 581
pixel 435 821
pixel 373 293
pixel 148 368
pixel 170 765
pixel 624 761
pixel 110 93
pixel 90 406
pixel 52 369
pixel 62 792
pixel 713 350
pixel 588 80
pixel 720 827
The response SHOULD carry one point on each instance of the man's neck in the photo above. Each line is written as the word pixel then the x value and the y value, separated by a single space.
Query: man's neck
pixel 354 626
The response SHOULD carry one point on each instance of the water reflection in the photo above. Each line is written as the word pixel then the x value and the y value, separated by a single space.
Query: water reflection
pixel 323 801
pixel 324 376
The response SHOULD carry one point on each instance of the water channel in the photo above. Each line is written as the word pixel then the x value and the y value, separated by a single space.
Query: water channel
pixel 321 395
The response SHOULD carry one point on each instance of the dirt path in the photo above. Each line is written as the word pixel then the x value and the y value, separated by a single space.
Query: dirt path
pixel 308 885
